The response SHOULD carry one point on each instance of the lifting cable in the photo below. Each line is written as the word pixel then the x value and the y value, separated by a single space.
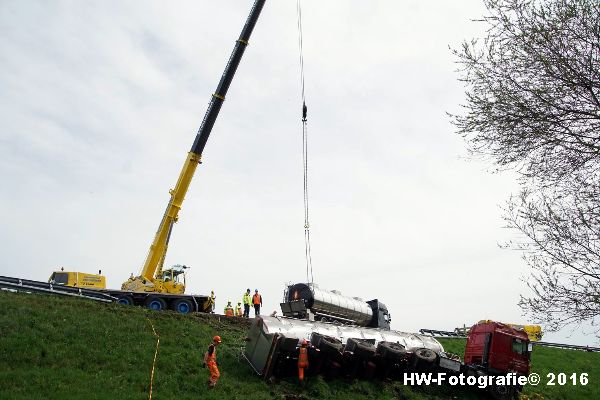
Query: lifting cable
pixel 307 254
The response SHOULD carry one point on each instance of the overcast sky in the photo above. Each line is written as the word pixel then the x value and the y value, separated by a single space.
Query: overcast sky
pixel 100 102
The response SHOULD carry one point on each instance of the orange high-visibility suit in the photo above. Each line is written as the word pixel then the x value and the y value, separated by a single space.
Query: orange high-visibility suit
pixel 228 311
pixel 210 358
pixel 302 361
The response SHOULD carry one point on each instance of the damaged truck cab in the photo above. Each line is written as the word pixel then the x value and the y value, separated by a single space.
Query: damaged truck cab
pixel 497 349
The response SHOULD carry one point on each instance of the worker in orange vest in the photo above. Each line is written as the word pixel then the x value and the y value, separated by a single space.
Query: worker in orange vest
pixel 302 361
pixel 257 301
pixel 228 310
pixel 210 361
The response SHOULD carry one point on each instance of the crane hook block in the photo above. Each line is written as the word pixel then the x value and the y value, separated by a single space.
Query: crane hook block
pixel 304 110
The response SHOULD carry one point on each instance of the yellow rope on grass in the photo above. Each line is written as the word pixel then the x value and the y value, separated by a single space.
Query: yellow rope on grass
pixel 153 362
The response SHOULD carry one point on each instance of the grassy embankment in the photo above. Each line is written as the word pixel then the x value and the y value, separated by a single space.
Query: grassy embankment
pixel 61 348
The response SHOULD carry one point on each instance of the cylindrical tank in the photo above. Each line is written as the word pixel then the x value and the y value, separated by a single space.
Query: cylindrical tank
pixel 298 329
pixel 325 303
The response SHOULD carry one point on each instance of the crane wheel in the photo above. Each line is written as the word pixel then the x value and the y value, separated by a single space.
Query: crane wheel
pixel 156 303
pixel 182 306
pixel 125 300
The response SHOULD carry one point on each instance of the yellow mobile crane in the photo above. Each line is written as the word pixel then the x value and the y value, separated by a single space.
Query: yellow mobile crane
pixel 153 278
pixel 155 287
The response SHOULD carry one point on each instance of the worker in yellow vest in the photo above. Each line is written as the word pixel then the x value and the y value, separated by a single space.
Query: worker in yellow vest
pixel 212 299
pixel 228 310
pixel 238 309
pixel 247 300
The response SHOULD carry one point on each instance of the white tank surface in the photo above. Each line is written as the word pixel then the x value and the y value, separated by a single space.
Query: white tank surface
pixel 301 329
pixel 331 303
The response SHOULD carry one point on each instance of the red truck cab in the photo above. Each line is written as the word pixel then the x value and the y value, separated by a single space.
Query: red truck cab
pixel 498 348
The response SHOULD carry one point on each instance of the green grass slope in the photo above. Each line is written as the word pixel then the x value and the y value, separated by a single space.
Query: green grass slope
pixel 62 348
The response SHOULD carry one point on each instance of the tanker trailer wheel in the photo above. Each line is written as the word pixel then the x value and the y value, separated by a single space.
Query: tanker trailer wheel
pixel 391 350
pixel 125 300
pixel 360 348
pixel 330 346
pixel 182 306
pixel 326 344
pixel 504 392
pixel 155 303
pixel 423 359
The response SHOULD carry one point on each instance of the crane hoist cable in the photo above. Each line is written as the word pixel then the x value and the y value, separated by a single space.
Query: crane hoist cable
pixel 307 249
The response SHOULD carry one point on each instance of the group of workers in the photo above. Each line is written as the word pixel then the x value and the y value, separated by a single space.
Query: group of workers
pixel 247 301
pixel 210 361
pixel 210 357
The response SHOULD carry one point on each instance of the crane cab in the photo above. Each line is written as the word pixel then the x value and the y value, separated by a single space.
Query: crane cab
pixel 172 280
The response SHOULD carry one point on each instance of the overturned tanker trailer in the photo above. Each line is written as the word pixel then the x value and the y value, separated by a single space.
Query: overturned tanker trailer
pixel 273 346
pixel 309 301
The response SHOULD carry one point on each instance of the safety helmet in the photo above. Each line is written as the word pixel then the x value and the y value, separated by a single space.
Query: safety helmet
pixel 247 290
pixel 217 339
pixel 256 290
pixel 304 342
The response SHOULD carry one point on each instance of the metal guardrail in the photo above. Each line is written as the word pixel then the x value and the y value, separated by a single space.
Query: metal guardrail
pixel 447 334
pixel 444 334
pixel 567 346
pixel 25 285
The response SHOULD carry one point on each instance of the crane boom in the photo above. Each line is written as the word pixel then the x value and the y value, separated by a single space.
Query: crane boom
pixel 150 278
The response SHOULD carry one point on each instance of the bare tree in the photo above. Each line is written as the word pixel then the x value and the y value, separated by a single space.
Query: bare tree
pixel 532 105
pixel 563 248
